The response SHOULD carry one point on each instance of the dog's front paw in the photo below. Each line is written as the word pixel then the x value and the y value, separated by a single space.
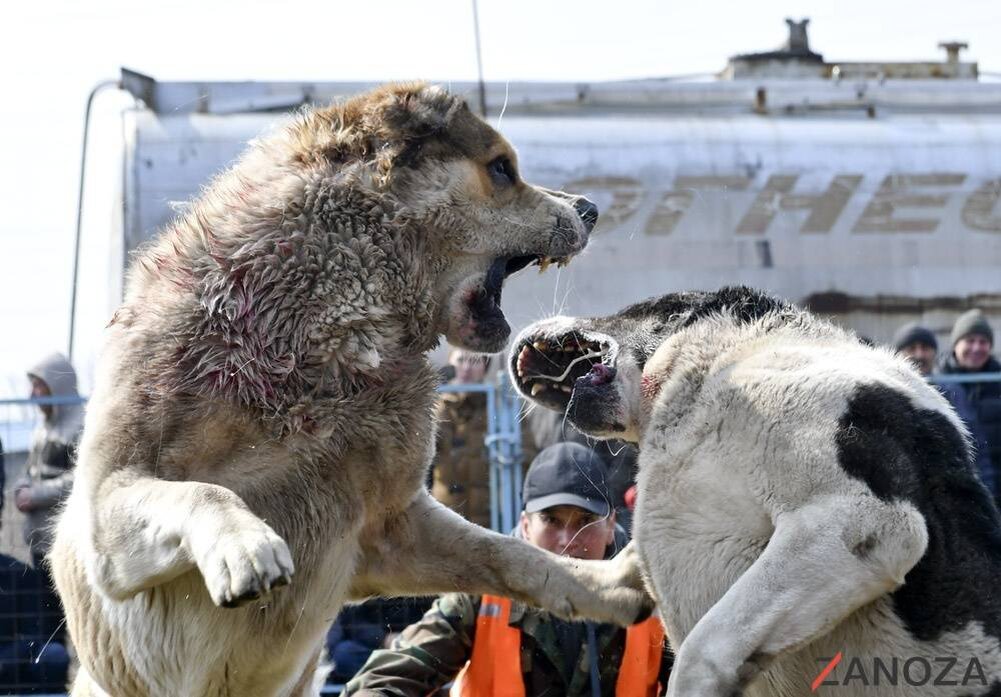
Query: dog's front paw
pixel 699 684
pixel 697 674
pixel 244 563
pixel 687 689
pixel 629 576
pixel 626 599
pixel 606 595
pixel 629 605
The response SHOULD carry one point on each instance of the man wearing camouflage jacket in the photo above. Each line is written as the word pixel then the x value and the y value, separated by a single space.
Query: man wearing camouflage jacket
pixel 490 642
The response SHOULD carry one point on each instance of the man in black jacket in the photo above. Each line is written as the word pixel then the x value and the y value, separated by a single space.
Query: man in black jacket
pixel 972 340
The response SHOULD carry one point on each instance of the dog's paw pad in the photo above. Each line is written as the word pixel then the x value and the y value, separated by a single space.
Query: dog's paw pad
pixel 245 564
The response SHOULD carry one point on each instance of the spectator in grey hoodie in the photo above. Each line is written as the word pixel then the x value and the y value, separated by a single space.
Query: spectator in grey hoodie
pixel 49 472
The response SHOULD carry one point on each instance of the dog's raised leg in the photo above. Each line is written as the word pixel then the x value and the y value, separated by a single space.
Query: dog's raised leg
pixel 430 549
pixel 824 560
pixel 148 531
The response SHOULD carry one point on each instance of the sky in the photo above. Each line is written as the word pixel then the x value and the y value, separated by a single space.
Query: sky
pixel 53 53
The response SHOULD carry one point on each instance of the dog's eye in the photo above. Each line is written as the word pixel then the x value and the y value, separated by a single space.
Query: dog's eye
pixel 501 171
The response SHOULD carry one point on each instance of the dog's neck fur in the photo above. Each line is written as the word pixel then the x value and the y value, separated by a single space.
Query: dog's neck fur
pixel 318 294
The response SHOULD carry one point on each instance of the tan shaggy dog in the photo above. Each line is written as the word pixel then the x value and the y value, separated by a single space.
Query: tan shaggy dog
pixel 262 413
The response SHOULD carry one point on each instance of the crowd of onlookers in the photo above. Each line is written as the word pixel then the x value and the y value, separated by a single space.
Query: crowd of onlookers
pixel 977 401
pixel 406 633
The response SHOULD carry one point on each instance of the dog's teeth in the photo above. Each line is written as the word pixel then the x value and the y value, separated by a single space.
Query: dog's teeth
pixel 566 388
pixel 544 263
pixel 537 388
pixel 540 345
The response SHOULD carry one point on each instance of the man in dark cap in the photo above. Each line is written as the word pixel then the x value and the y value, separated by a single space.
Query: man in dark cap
pixel 972 340
pixel 495 646
pixel 918 344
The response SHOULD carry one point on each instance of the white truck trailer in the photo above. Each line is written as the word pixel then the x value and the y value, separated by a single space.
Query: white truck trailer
pixel 869 191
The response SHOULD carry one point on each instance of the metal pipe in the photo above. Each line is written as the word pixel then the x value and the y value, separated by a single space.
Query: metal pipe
pixel 79 206
pixel 495 519
pixel 479 61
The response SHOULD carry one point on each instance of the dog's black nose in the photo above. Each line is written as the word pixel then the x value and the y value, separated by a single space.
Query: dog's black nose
pixel 587 211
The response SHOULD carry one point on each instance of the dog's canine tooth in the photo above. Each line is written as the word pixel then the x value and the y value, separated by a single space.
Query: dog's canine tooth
pixel 566 388
pixel 540 345
pixel 537 388
pixel 544 263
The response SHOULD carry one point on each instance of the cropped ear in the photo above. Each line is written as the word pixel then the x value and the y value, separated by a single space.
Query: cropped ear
pixel 415 112
pixel 404 120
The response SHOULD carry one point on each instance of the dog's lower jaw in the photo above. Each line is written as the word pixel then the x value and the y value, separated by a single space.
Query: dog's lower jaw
pixel 483 337
pixel 475 321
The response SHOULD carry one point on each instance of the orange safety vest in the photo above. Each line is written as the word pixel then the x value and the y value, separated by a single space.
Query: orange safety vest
pixel 494 669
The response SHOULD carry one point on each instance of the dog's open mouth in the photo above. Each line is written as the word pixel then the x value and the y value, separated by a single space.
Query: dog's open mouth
pixel 547 369
pixel 485 302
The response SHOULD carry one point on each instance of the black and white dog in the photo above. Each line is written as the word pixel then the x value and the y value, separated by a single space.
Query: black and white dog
pixel 808 514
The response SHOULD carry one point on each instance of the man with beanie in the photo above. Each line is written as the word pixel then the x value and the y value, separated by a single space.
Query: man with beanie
pixel 918 344
pixel 495 646
pixel 972 339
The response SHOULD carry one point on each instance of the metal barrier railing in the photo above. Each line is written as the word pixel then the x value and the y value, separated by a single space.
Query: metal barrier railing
pixel 960 378
pixel 503 440
pixel 19 416
pixel 503 443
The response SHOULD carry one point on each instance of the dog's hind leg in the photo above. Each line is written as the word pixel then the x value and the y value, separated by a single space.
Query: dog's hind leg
pixel 430 549
pixel 824 561
pixel 148 531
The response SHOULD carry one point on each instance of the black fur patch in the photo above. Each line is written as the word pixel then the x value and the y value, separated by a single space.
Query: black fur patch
pixel 675 311
pixel 903 452
pixel 746 305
